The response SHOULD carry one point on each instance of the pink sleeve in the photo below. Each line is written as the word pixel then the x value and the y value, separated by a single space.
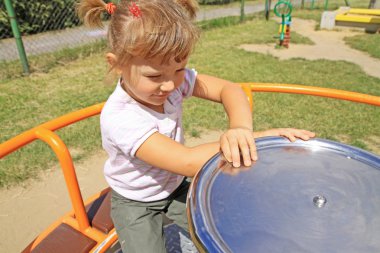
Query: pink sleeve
pixel 188 85
pixel 130 135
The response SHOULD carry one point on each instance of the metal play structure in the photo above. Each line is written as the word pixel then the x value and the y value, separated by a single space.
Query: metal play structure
pixel 88 226
pixel 283 9
pixel 326 4
pixel 268 5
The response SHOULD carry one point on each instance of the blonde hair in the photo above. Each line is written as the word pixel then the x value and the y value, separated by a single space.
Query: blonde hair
pixel 165 28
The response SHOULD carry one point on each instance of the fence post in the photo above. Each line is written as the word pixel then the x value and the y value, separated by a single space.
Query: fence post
pixel 242 10
pixel 16 34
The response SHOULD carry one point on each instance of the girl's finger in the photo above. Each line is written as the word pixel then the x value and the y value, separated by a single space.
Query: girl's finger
pixel 290 136
pixel 234 148
pixel 252 148
pixel 245 152
pixel 245 156
pixel 225 148
pixel 303 134
pixel 309 133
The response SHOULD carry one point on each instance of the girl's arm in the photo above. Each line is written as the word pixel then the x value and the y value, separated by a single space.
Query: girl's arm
pixel 238 139
pixel 163 152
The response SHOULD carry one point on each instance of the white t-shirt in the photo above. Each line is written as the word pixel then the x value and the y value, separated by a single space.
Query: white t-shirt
pixel 125 125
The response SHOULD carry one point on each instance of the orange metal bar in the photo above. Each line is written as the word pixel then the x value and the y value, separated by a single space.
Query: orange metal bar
pixel 55 124
pixel 247 90
pixel 315 91
pixel 67 166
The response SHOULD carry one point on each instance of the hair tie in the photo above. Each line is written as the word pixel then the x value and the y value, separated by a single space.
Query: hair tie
pixel 135 10
pixel 110 7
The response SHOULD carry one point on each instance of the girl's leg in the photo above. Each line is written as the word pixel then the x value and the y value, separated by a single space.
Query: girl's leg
pixel 177 208
pixel 138 225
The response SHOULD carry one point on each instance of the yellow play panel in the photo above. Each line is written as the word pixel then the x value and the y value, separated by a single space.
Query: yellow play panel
pixel 366 18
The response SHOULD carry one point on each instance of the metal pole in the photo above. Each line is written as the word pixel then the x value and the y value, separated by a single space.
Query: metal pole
pixel 16 34
pixel 242 10
pixel 372 4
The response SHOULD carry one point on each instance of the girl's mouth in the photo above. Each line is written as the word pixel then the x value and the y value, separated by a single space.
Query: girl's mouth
pixel 161 95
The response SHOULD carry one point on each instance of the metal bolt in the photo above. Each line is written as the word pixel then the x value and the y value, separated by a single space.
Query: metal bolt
pixel 319 201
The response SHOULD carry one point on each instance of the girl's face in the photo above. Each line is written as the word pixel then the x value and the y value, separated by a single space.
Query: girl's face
pixel 150 82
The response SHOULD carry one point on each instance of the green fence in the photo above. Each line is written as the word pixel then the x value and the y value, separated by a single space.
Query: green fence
pixel 45 26
pixel 51 25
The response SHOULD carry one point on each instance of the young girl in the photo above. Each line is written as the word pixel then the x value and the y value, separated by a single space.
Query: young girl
pixel 150 42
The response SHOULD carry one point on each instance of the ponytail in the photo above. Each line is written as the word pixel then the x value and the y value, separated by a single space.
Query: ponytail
pixel 191 6
pixel 90 12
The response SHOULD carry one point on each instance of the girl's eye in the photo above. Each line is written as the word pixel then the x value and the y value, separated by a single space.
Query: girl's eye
pixel 153 77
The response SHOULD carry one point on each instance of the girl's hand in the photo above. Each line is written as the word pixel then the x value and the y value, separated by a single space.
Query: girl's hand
pixel 291 133
pixel 237 144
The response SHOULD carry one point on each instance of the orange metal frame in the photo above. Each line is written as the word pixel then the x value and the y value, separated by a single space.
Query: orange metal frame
pixel 78 218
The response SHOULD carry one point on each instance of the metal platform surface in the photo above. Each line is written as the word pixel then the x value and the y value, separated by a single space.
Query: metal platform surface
pixel 314 196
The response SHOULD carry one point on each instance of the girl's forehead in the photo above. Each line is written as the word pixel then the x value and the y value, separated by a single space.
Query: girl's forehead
pixel 157 64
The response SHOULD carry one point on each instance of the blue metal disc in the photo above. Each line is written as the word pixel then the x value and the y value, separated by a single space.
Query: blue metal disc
pixel 306 196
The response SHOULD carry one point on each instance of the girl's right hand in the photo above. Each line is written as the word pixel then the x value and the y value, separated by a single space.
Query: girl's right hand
pixel 238 144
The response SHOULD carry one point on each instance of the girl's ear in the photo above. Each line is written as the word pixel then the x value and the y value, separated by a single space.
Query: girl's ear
pixel 111 59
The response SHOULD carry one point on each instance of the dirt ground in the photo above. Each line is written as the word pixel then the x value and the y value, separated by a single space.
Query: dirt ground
pixel 26 211
pixel 328 45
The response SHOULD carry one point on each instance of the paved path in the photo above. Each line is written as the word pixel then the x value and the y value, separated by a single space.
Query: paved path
pixel 327 45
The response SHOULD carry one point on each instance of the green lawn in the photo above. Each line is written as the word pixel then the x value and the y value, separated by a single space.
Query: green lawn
pixel 77 82
pixel 369 43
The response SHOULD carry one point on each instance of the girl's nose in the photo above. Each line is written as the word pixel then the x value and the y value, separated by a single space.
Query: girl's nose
pixel 167 86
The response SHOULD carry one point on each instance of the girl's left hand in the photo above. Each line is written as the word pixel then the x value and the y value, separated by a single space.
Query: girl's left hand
pixel 237 144
pixel 291 133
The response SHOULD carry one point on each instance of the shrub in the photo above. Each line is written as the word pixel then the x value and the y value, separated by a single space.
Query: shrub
pixel 39 16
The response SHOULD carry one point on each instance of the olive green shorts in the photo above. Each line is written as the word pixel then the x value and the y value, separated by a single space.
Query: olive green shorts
pixel 139 225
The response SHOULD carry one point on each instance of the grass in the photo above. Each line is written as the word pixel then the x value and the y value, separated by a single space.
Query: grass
pixel 44 62
pixel 369 43
pixel 31 100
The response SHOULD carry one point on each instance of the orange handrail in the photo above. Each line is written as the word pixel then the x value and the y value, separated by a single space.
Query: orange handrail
pixel 55 124
pixel 315 91
pixel 67 166
pixel 45 132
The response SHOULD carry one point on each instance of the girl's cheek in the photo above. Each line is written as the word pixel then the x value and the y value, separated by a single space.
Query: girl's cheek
pixel 180 80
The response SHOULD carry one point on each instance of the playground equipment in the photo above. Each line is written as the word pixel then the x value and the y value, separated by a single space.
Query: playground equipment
pixel 298 197
pixel 369 19
pixel 268 5
pixel 88 227
pixel 283 9
pixel 326 4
